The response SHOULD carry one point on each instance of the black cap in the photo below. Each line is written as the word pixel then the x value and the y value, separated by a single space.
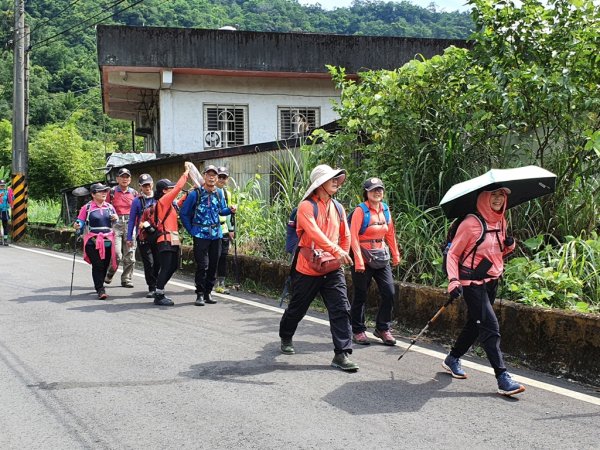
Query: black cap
pixel 373 183
pixel 98 187
pixel 211 167
pixel 163 184
pixel 2 182
pixel 222 170
pixel 123 171
pixel 145 179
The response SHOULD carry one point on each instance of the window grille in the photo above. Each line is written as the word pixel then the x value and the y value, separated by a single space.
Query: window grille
pixel 231 123
pixel 297 121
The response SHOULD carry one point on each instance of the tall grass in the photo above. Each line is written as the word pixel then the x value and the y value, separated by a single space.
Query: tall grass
pixel 44 211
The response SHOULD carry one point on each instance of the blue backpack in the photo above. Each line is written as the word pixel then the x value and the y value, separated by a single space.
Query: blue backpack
pixel 367 216
pixel 291 237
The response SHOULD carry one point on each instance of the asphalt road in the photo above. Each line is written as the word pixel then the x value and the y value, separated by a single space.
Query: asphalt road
pixel 77 372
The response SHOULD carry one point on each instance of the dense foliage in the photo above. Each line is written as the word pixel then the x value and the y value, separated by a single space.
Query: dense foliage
pixel 528 93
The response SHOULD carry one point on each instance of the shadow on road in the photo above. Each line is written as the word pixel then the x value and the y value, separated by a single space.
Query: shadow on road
pixel 265 362
pixel 58 294
pixel 391 396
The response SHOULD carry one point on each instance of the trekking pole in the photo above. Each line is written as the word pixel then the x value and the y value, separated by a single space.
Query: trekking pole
pixel 73 268
pixel 235 255
pixel 433 319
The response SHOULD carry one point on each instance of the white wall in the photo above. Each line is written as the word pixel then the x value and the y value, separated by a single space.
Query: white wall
pixel 181 106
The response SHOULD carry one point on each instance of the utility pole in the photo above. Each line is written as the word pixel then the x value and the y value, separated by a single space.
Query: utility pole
pixel 19 150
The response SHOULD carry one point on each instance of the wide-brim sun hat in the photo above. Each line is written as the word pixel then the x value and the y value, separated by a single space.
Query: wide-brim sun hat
pixel 321 174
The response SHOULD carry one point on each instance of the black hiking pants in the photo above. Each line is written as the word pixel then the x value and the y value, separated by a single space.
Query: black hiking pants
pixel 332 288
pixel 168 262
pixel 222 266
pixel 206 255
pixel 99 265
pixel 149 255
pixel 385 283
pixel 482 323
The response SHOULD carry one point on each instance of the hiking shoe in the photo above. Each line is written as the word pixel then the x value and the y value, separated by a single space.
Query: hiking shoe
pixel 385 336
pixel 199 300
pixel 208 299
pixel 127 284
pixel 108 280
pixel 150 294
pixel 162 300
pixel 453 367
pixel 341 361
pixel 506 385
pixel 287 346
pixel 360 338
pixel 102 295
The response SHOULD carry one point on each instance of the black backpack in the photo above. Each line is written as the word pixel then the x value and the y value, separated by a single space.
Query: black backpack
pixel 445 247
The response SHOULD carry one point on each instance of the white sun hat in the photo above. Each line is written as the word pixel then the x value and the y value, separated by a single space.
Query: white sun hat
pixel 321 174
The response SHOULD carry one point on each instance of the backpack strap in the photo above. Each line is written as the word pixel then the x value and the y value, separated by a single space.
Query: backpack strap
pixel 479 241
pixel 367 215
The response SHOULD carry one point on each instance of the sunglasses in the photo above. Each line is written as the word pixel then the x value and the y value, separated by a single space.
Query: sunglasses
pixel 223 177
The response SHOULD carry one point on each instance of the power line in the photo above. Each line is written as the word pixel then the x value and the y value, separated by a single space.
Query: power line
pixel 41 23
pixel 81 24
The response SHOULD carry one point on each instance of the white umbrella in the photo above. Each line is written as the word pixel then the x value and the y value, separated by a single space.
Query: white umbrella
pixel 525 183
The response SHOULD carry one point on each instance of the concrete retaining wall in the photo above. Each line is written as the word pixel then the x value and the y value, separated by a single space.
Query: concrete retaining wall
pixel 553 341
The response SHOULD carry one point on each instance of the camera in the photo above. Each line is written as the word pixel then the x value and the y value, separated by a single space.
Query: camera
pixel 148 227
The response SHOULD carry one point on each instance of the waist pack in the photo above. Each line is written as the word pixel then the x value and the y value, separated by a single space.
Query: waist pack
pixel 320 261
pixel 376 258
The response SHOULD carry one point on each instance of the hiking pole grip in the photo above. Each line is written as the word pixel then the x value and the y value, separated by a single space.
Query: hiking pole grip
pixel 433 319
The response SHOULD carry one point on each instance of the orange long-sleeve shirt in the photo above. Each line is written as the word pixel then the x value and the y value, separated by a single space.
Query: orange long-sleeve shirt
pixel 382 231
pixel 166 201
pixel 326 231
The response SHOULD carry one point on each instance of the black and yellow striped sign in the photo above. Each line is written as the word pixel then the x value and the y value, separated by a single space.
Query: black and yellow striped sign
pixel 19 208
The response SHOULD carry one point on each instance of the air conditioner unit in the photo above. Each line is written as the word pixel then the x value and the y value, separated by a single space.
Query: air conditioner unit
pixel 213 139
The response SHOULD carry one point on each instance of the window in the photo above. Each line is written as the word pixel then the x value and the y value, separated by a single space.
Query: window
pixel 294 122
pixel 225 126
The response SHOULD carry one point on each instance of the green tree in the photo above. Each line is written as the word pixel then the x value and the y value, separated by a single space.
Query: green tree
pixel 60 158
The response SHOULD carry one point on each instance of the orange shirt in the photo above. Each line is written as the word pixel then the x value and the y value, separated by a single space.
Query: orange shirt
pixel 166 201
pixel 326 231
pixel 385 232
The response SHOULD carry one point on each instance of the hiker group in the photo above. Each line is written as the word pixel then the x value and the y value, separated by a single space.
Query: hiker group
pixel 118 220
pixel 325 241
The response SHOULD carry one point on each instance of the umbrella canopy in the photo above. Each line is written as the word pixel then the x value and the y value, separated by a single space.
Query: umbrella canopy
pixel 525 183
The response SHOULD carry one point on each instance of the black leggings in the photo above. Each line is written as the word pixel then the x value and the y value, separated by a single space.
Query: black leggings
pixel 168 261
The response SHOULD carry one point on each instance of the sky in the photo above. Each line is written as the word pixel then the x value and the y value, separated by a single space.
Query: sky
pixel 445 5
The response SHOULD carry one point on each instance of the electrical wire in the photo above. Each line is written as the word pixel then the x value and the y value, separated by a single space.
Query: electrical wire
pixel 52 38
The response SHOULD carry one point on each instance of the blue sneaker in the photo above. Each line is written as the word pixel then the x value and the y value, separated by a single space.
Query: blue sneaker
pixel 506 385
pixel 453 367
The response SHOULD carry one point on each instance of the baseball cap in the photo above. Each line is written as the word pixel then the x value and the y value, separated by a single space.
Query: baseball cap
pixel 163 184
pixel 2 182
pixel 98 187
pixel 145 179
pixel 222 170
pixel 123 171
pixel 373 183
pixel 210 167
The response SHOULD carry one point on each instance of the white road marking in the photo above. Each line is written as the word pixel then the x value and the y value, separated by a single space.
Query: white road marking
pixel 434 354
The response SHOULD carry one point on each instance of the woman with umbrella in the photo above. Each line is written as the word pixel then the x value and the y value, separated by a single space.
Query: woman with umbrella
pixel 473 272
pixel 475 256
